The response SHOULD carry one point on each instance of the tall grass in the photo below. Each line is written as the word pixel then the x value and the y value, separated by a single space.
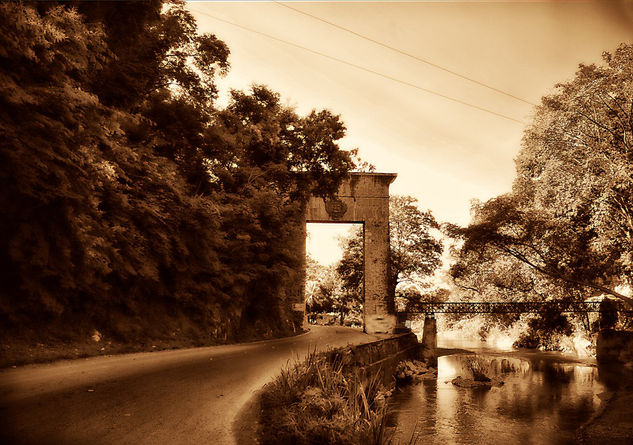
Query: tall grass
pixel 479 368
pixel 323 401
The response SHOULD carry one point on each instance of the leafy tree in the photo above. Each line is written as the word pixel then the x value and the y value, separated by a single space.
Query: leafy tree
pixel 564 231
pixel 415 253
pixel 96 226
pixel 274 147
pixel 314 272
pixel 155 46
pixel 49 128
pixel 351 266
pixel 132 204
pixel 323 288
pixel 275 161
pixel 569 218
pixel 496 269
pixel 164 72
pixel 326 292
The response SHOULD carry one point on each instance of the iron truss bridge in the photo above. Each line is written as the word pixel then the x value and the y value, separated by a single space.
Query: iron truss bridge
pixel 519 307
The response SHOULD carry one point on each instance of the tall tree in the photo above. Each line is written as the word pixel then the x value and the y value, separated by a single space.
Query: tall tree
pixel 323 288
pixel 415 253
pixel 569 217
pixel 155 46
pixel 350 268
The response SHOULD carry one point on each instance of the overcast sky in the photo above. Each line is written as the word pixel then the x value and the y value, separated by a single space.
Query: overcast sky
pixel 445 153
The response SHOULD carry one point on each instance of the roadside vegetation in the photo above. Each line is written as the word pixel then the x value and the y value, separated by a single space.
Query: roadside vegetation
pixel 321 401
pixel 136 211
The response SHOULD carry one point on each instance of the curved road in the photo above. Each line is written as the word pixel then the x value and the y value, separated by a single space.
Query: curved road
pixel 168 397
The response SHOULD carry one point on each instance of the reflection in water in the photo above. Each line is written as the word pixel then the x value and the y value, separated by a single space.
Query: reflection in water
pixel 543 401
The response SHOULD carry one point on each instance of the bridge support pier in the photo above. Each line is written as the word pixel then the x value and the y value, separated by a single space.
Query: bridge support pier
pixel 429 340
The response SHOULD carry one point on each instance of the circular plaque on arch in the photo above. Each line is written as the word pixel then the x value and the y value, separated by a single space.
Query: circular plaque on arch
pixel 335 208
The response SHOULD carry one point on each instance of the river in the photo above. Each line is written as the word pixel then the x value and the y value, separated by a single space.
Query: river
pixel 545 398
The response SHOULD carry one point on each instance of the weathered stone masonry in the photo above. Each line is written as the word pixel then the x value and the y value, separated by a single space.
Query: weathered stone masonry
pixel 364 198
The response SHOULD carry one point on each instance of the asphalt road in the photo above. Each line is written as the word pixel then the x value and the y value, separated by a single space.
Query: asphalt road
pixel 168 397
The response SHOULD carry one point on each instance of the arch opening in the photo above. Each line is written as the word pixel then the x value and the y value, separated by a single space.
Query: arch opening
pixel 363 198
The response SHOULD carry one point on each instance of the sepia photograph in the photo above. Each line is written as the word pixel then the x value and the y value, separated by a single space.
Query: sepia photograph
pixel 316 222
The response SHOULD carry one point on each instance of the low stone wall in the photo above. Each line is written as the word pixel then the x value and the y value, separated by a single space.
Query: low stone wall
pixel 381 356
pixel 614 346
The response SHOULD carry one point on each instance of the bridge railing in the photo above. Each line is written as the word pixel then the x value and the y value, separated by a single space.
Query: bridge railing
pixel 486 307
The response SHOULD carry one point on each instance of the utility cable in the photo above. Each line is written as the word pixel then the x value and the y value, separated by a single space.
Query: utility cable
pixel 345 62
pixel 404 53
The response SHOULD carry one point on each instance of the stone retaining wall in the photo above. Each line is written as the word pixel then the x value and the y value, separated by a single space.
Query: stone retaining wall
pixel 614 346
pixel 381 356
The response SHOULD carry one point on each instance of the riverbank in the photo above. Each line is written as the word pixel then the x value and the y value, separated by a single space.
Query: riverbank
pixel 613 423
pixel 338 396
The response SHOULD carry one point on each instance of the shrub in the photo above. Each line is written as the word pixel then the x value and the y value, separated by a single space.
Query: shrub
pixel 321 400
pixel 479 368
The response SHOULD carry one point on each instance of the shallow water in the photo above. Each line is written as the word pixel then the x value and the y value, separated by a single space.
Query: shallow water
pixel 545 398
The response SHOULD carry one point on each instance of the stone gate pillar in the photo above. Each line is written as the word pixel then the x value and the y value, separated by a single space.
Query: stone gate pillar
pixel 297 294
pixel 378 307
pixel 364 198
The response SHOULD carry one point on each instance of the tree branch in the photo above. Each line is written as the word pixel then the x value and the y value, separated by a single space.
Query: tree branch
pixel 561 277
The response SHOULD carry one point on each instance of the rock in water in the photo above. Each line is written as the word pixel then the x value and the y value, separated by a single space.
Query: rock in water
pixel 470 383
pixel 413 370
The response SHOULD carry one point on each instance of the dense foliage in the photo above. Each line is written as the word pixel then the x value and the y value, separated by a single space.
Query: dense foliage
pixel 324 289
pixel 415 253
pixel 331 288
pixel 351 268
pixel 565 231
pixel 131 203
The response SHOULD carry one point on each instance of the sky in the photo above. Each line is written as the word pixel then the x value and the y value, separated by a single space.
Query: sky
pixel 407 116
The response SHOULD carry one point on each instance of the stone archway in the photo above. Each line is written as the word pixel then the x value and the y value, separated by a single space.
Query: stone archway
pixel 363 198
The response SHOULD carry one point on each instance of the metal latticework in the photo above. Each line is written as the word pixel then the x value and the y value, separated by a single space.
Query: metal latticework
pixel 481 307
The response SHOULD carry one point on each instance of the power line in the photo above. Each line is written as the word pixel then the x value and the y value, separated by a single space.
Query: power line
pixel 345 62
pixel 404 53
